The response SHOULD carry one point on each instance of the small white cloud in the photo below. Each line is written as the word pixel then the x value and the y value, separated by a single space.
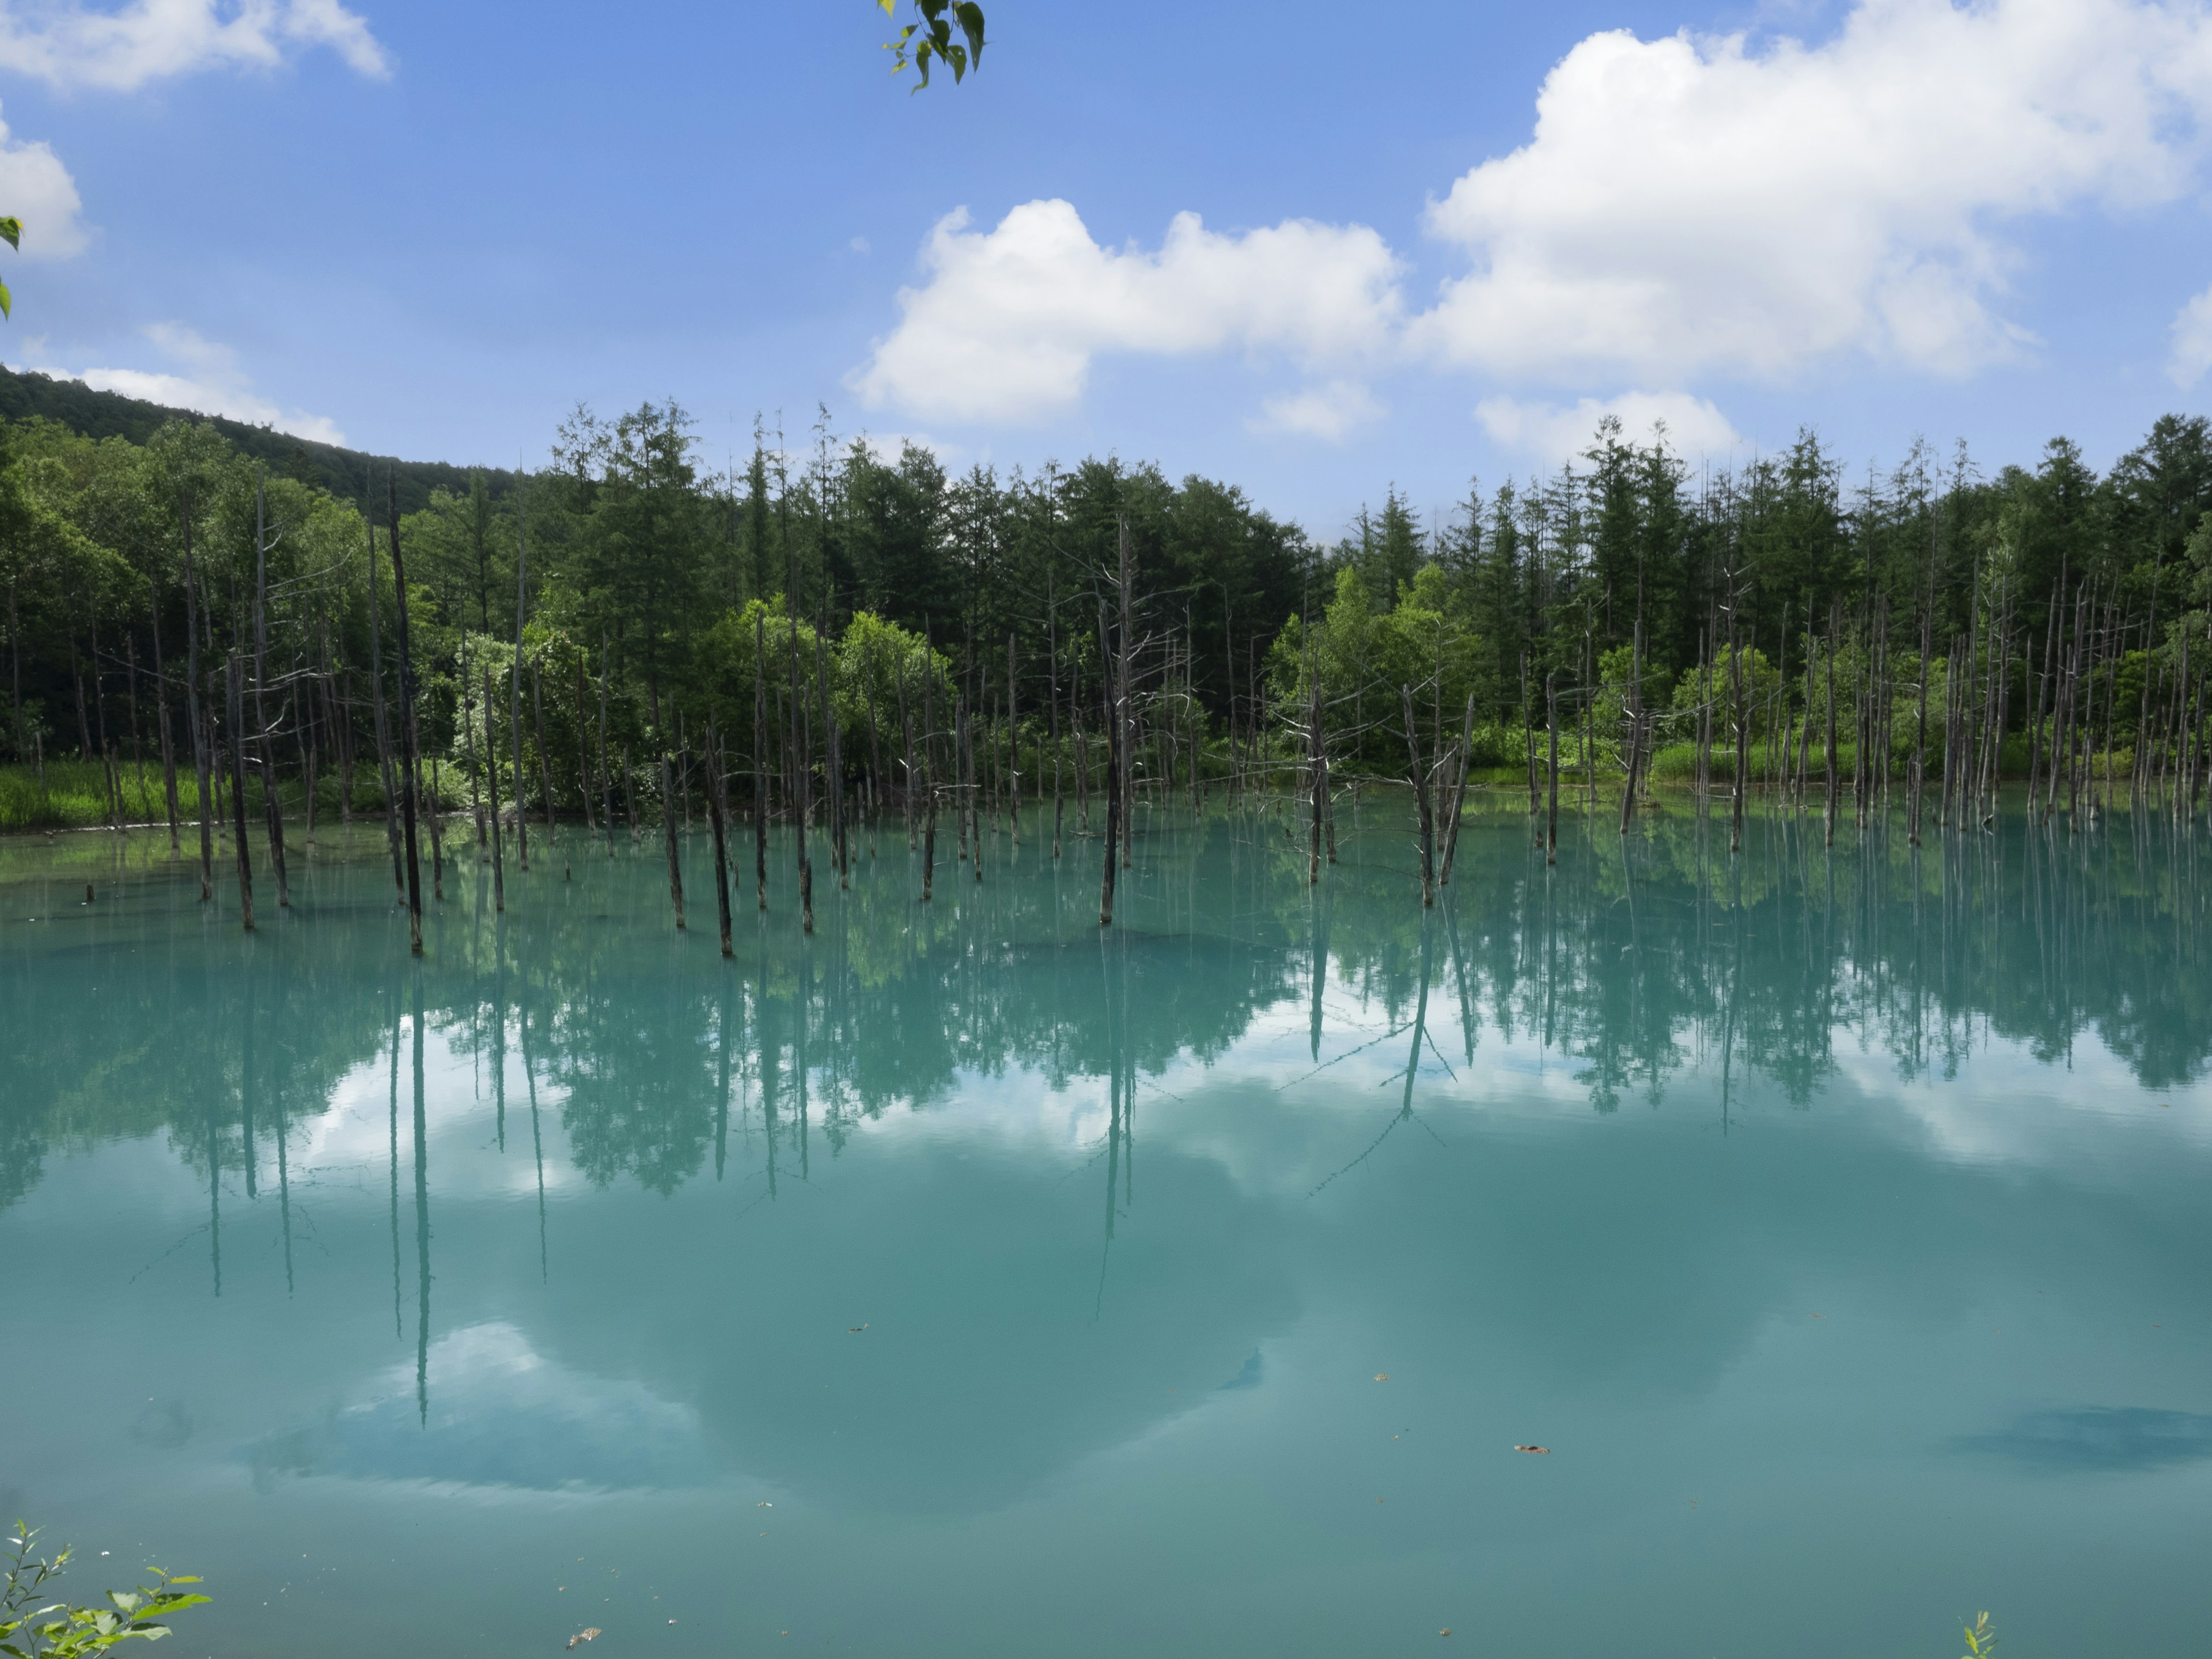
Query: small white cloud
pixel 1552 434
pixel 2192 342
pixel 69 45
pixel 1009 320
pixel 860 245
pixel 1691 205
pixel 37 189
pixel 215 385
pixel 1323 411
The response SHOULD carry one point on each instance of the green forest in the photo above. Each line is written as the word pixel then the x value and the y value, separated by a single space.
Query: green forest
pixel 827 623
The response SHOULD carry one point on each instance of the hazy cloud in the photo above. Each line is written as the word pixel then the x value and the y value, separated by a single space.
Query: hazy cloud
pixel 1323 411
pixel 70 45
pixel 212 383
pixel 1552 433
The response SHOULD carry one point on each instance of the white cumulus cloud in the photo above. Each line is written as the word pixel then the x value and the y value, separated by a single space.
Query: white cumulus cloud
pixel 36 188
pixel 1552 434
pixel 1329 410
pixel 2192 341
pixel 70 45
pixel 1688 210
pixel 1009 321
pixel 1693 205
pixel 212 383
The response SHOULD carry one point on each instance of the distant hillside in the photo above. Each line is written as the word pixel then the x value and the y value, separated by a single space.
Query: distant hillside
pixel 343 472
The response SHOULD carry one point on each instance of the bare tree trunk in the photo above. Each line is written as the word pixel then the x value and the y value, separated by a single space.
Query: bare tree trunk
pixel 202 761
pixel 236 677
pixel 1551 734
pixel 717 811
pixel 273 802
pixel 668 835
pixel 469 731
pixel 1418 770
pixel 545 760
pixel 583 756
pixel 491 777
pixel 407 801
pixel 1052 700
pixel 1830 655
pixel 929 773
pixel 514 685
pixel 606 773
pixel 390 782
pixel 1113 788
pixel 1459 793
pixel 160 714
pixel 760 761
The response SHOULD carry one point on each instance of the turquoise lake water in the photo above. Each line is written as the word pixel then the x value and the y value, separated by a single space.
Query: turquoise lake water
pixel 966 1280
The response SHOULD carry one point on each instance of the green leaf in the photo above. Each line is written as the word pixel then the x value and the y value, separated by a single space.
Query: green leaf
pixel 6 301
pixel 970 16
pixel 11 231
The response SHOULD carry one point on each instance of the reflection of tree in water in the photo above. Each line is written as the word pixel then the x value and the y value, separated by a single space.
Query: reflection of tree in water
pixel 1634 959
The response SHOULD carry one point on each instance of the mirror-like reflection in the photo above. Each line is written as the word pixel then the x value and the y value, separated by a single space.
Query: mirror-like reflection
pixel 1832 1212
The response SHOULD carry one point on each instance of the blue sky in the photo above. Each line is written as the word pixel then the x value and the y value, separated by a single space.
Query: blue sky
pixel 1430 241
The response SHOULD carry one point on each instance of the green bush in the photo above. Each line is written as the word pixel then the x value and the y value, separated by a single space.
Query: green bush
pixel 31 1627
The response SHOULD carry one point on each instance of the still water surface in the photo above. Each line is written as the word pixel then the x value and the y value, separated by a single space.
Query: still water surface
pixel 962 1280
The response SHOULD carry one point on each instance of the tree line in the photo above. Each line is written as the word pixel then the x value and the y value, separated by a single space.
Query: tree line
pixel 824 629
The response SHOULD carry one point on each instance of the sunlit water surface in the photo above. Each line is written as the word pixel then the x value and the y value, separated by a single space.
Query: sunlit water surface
pixel 966 1280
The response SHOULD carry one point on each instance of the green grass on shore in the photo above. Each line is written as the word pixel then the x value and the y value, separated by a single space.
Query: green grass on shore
pixel 73 795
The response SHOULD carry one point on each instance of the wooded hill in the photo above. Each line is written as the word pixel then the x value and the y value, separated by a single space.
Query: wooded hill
pixel 348 474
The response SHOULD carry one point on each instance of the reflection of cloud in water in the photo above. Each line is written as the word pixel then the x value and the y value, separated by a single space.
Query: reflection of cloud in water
pixel 2123 1439
pixel 501 1416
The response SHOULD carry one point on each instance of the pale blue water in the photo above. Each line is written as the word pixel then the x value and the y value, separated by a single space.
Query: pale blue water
pixel 1838 1220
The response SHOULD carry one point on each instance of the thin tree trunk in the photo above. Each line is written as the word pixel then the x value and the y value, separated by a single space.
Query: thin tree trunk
pixel 491 777
pixel 236 677
pixel 717 811
pixel 668 835
pixel 161 712
pixel 760 760
pixel 202 761
pixel 545 760
pixel 390 782
pixel 407 801
pixel 1112 786
pixel 1551 734
pixel 273 802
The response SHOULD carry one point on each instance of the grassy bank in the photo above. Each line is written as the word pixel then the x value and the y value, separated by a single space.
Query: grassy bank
pixel 73 795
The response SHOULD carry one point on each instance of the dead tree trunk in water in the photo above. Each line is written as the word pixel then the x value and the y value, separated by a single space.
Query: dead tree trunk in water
pixel 407 803
pixel 160 714
pixel 1113 788
pixel 272 803
pixel 1419 768
pixel 1459 793
pixel 668 834
pixel 717 811
pixel 491 776
pixel 202 759
pixel 928 768
pixel 514 685
pixel 1551 734
pixel 391 784
pixel 237 699
pixel 760 761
